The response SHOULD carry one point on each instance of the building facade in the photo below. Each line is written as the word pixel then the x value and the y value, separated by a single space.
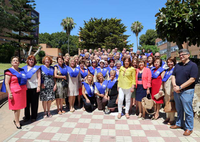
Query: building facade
pixel 162 45
pixel 53 52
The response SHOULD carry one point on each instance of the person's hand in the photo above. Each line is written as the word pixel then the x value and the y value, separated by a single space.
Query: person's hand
pixel 65 78
pixel 160 93
pixel 116 101
pixel 54 88
pixel 43 87
pixel 87 101
pixel 148 91
pixel 132 90
pixel 176 89
pixel 10 96
pixel 102 95
pixel 38 89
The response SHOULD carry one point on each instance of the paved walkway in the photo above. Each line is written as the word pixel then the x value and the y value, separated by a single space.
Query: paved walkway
pixel 82 126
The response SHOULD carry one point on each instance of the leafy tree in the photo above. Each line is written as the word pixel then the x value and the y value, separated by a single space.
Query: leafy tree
pixel 104 33
pixel 68 25
pixel 153 48
pixel 39 56
pixel 136 28
pixel 60 40
pixel 7 50
pixel 148 38
pixel 20 23
pixel 179 22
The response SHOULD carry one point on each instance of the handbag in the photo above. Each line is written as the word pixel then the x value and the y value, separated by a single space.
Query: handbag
pixel 170 106
pixel 158 95
pixel 64 83
pixel 148 104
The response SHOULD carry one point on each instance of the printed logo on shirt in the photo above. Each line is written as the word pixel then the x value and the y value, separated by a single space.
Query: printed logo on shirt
pixel 23 75
pixel 34 69
pixel 104 86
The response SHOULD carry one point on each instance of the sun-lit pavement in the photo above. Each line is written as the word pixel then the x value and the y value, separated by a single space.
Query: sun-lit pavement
pixel 82 126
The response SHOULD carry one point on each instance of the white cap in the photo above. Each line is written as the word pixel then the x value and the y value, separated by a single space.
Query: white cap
pixel 102 61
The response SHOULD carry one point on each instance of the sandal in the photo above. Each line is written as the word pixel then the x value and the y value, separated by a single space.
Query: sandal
pixel 63 111
pixel 127 116
pixel 45 115
pixel 59 112
pixel 140 115
pixel 49 115
pixel 119 116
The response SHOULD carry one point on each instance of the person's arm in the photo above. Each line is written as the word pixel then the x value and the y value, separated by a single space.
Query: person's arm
pixel 162 74
pixel 188 83
pixel 7 81
pixel 149 78
pixel 95 76
pixel 83 92
pixel 38 78
pixel 107 75
pixel 133 80
pixel 97 92
pixel 58 76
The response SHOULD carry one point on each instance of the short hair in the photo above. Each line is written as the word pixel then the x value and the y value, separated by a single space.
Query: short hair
pixel 98 75
pixel 111 60
pixel 87 78
pixel 159 60
pixel 135 60
pixel 113 71
pixel 71 59
pixel 60 57
pixel 49 58
pixel 82 62
pixel 15 57
pixel 173 59
pixel 118 62
pixel 184 50
pixel 140 60
pixel 29 57
pixel 129 60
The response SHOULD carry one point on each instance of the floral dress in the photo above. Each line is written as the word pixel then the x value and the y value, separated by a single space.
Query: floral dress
pixel 47 94
pixel 61 91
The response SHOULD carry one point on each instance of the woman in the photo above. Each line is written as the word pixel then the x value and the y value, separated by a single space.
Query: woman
pixel 33 75
pixel 112 93
pixel 126 85
pixel 143 85
pixel 111 65
pixel 60 73
pixel 133 102
pixel 106 64
pixel 87 64
pixel 15 85
pixel 47 93
pixel 92 68
pixel 103 70
pixel 88 93
pixel 118 66
pixel 100 90
pixel 74 83
pixel 84 73
pixel 67 57
pixel 156 84
pixel 168 88
pixel 150 61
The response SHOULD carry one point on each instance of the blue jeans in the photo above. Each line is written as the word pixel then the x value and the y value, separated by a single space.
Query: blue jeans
pixel 183 103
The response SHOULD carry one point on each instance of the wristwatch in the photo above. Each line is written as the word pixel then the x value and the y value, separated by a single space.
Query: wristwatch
pixel 180 88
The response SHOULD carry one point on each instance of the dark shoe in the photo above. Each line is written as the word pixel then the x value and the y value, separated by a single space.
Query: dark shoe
pixel 20 127
pixel 33 120
pixel 187 132
pixel 175 127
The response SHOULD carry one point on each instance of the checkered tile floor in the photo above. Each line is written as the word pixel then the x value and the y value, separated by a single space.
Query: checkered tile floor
pixel 94 127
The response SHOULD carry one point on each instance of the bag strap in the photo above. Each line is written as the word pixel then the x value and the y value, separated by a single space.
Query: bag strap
pixel 149 112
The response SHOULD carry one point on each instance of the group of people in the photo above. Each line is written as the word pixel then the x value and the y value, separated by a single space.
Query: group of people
pixel 106 80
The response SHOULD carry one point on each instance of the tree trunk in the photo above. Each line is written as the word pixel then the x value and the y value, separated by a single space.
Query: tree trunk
pixel 168 49
pixel 68 43
pixel 137 41
pixel 179 44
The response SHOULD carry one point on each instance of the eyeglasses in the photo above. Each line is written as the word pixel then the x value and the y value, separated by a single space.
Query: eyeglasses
pixel 157 56
pixel 182 55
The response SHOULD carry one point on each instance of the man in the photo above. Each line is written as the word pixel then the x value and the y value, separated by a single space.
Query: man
pixel 138 54
pixel 108 50
pixel 183 80
pixel 90 51
pixel 87 55
pixel 85 50
pixel 82 53
pixel 144 58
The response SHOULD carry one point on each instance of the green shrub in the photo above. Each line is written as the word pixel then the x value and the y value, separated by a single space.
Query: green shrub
pixel 7 50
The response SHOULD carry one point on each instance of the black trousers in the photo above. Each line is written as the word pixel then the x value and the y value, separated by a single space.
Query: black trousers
pixel 32 98
pixel 89 106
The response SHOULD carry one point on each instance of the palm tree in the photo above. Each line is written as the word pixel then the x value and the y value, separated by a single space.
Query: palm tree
pixel 68 25
pixel 136 28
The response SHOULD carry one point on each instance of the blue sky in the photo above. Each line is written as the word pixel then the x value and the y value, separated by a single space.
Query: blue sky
pixel 53 11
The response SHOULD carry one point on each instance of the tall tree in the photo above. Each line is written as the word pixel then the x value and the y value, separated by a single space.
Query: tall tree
pixel 148 38
pixel 20 23
pixel 68 25
pixel 179 22
pixel 104 33
pixel 153 48
pixel 136 28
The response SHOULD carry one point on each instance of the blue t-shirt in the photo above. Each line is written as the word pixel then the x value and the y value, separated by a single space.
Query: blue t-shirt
pixel 183 73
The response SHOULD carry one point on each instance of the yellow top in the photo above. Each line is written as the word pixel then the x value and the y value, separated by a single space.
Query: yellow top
pixel 126 77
